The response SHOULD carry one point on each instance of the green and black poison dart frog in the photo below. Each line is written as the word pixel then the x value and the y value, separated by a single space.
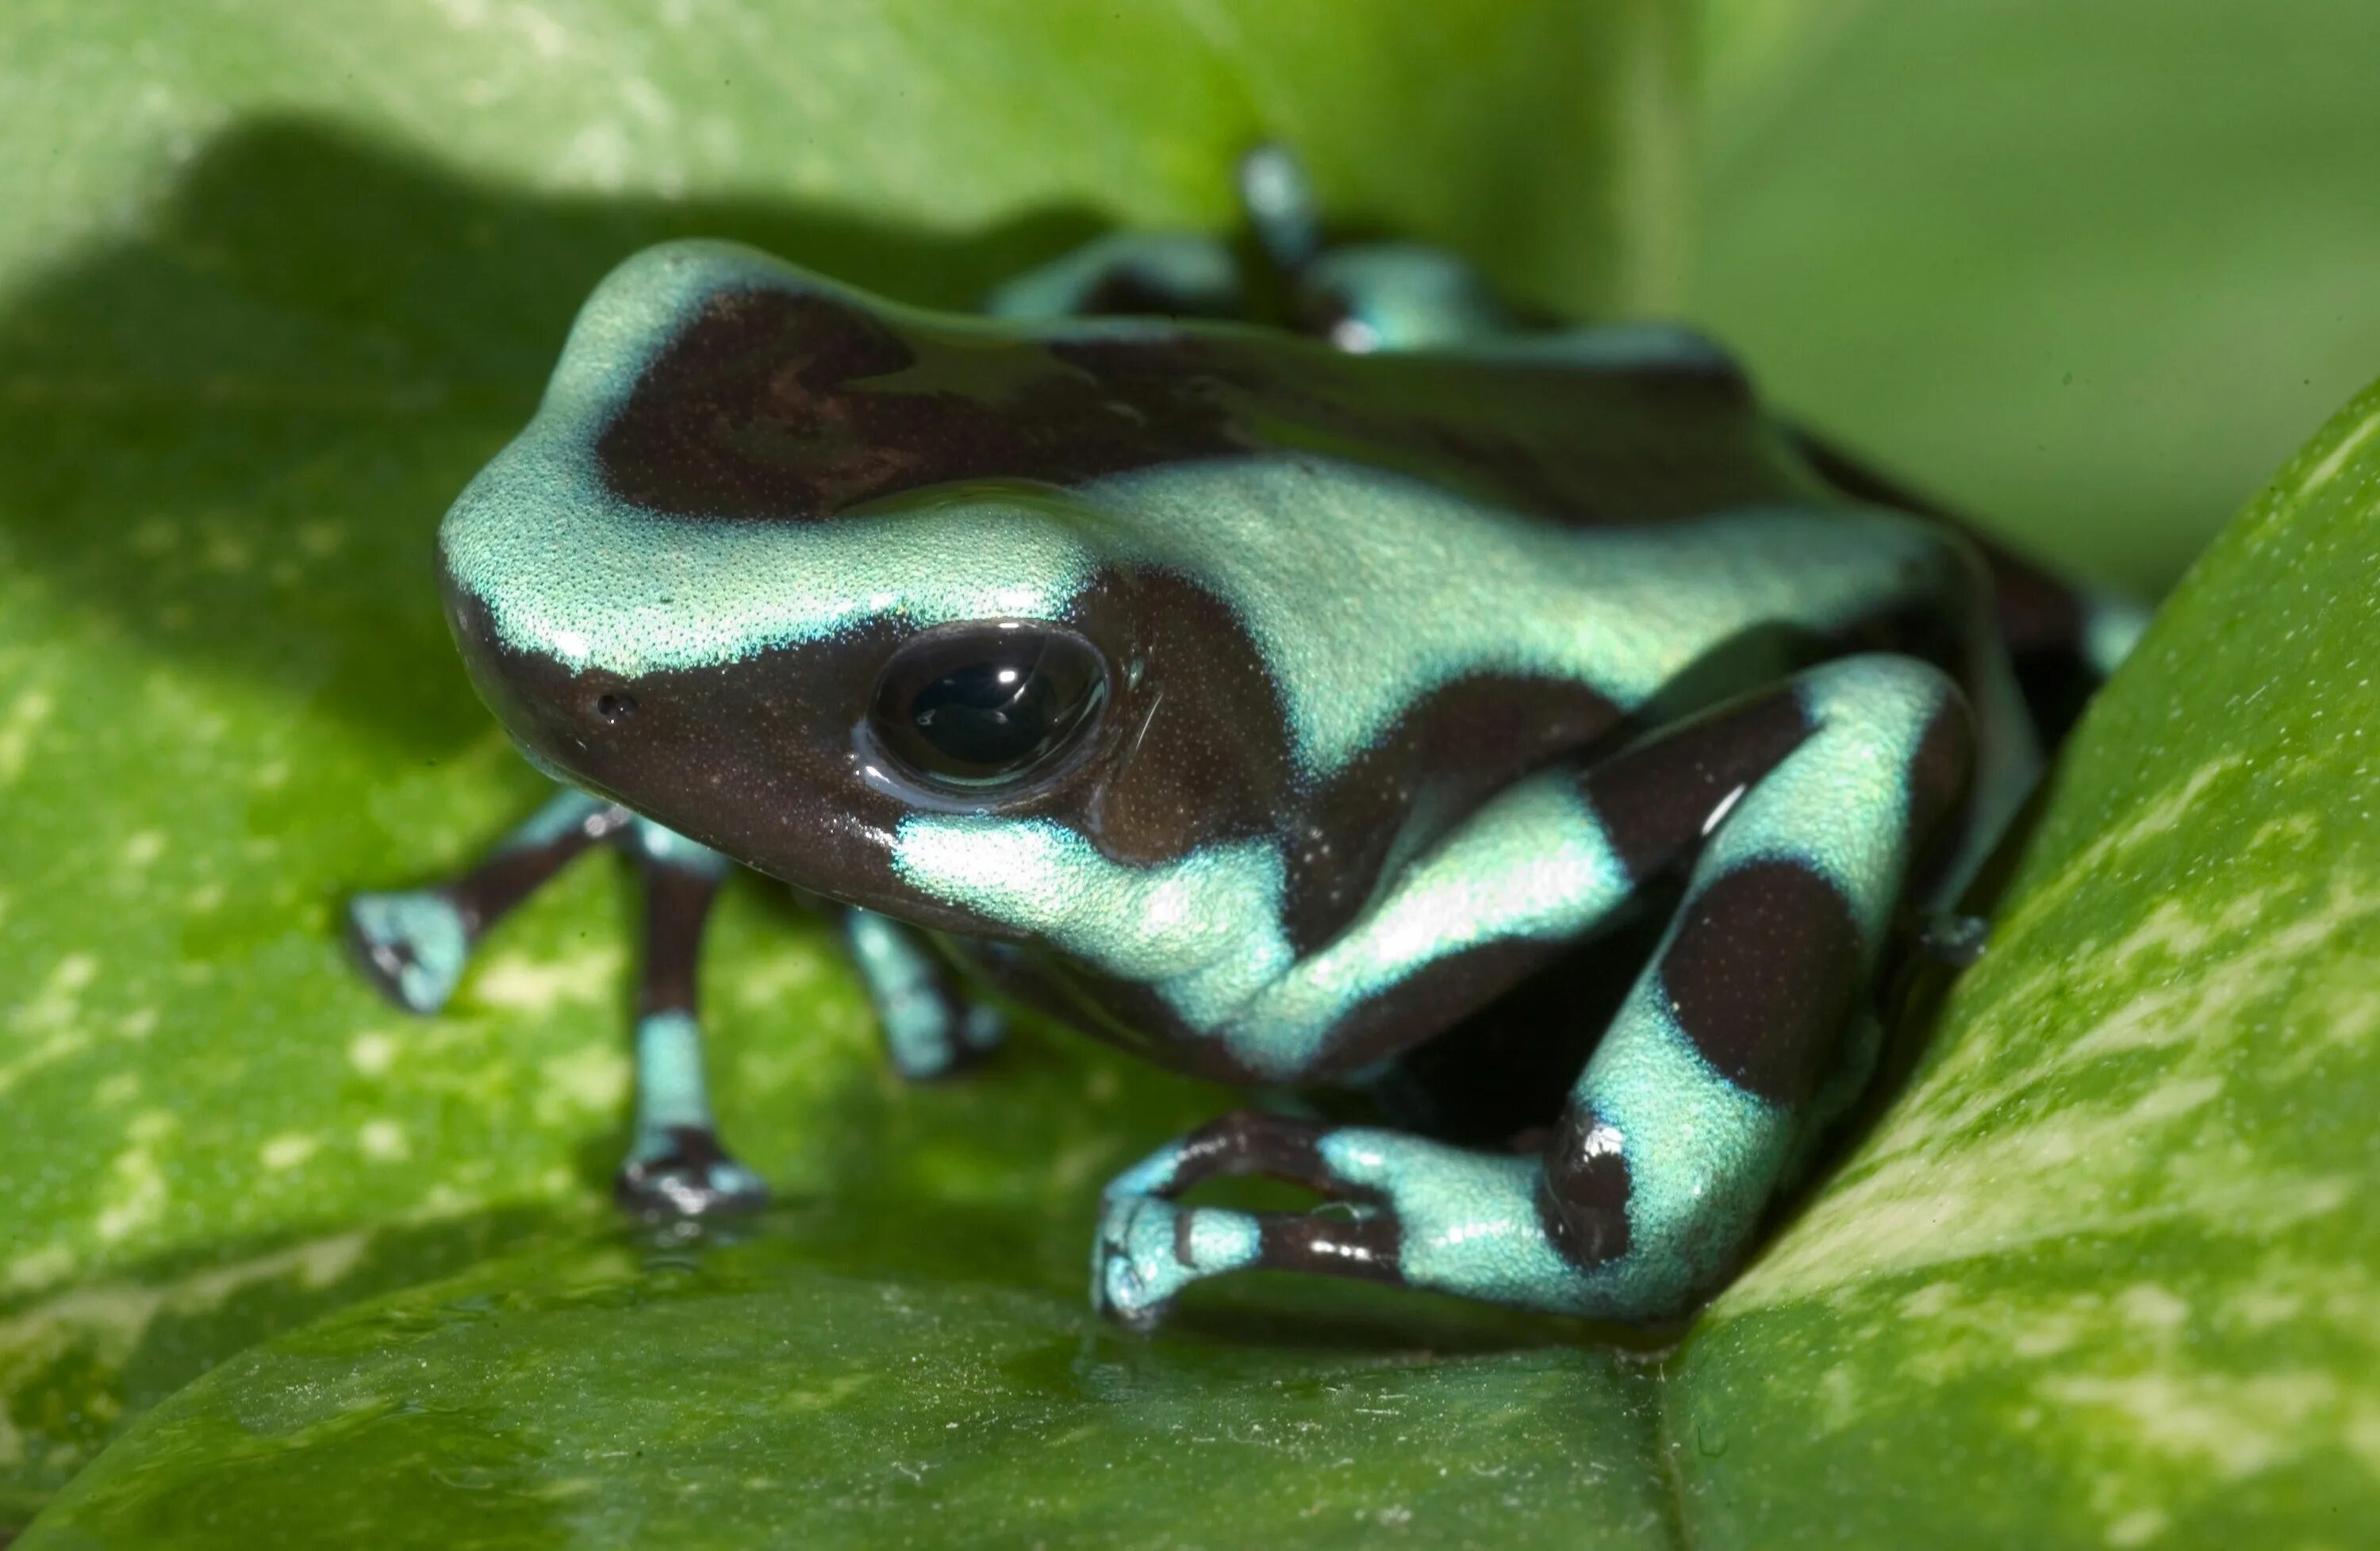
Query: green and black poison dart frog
pixel 1298 702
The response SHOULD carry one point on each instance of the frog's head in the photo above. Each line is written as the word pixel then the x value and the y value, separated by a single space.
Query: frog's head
pixel 785 568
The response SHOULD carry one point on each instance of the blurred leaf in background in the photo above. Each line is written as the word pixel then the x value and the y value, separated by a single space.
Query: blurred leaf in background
pixel 2089 271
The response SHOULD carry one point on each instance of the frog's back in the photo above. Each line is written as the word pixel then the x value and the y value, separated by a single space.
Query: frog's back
pixel 767 395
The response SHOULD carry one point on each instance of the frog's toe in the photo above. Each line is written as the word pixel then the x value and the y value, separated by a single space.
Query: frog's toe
pixel 684 1173
pixel 952 1048
pixel 410 946
pixel 1148 1250
pixel 1129 1283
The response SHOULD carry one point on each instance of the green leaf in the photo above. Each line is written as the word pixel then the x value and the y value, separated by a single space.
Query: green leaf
pixel 2103 1273
pixel 809 1383
pixel 2092 270
pixel 2108 1271
pixel 276 279
pixel 273 281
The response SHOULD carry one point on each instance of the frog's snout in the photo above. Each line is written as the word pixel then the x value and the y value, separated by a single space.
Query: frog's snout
pixel 563 718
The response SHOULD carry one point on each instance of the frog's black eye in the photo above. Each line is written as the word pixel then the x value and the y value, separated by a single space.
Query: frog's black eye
pixel 984 705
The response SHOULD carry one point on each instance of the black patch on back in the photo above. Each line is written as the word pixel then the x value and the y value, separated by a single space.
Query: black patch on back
pixel 792 406
pixel 1761 974
pixel 773 403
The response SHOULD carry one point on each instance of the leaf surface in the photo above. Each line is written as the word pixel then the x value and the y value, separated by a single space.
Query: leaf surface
pixel 274 282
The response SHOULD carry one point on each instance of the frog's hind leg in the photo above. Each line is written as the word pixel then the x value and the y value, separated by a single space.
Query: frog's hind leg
pixel 1173 274
pixel 412 944
pixel 1723 1064
pixel 931 1029
pixel 677 1165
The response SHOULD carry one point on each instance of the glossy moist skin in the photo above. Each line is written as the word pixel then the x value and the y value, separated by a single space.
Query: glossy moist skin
pixel 1417 667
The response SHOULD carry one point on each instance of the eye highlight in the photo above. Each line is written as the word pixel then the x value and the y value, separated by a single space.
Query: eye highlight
pixel 977 706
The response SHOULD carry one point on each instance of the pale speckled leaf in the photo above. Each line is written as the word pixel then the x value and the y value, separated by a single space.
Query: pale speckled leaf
pixel 2107 1272
pixel 275 279
pixel 785 1389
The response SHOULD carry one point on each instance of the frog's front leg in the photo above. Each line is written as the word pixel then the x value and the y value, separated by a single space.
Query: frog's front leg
pixel 1802 812
pixel 931 1029
pixel 676 1166
pixel 412 944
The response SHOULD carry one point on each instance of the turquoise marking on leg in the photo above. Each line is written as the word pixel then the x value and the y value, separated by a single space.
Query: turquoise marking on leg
pixel 667 848
pixel 555 819
pixel 1151 1176
pixel 1198 272
pixel 1531 863
pixel 671 1089
pixel 1404 297
pixel 414 943
pixel 906 983
pixel 1138 1258
pixel 1467 1221
pixel 984 1026
pixel 676 1165
pixel 2112 626
pixel 1205 932
pixel 1841 801
pixel 1703 1156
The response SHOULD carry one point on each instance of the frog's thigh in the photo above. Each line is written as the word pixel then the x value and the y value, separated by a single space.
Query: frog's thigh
pixel 1542 864
pixel 677 1165
pixel 412 943
pixel 1171 274
pixel 930 1030
pixel 1695 1104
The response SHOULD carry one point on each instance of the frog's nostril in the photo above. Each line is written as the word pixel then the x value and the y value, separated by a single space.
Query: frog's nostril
pixel 611 707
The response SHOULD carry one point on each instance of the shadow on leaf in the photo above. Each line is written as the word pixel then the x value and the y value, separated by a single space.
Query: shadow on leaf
pixel 271 395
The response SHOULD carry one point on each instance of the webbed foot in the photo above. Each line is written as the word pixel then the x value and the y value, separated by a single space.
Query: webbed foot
pixel 1148 1250
pixel 682 1172
pixel 410 945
